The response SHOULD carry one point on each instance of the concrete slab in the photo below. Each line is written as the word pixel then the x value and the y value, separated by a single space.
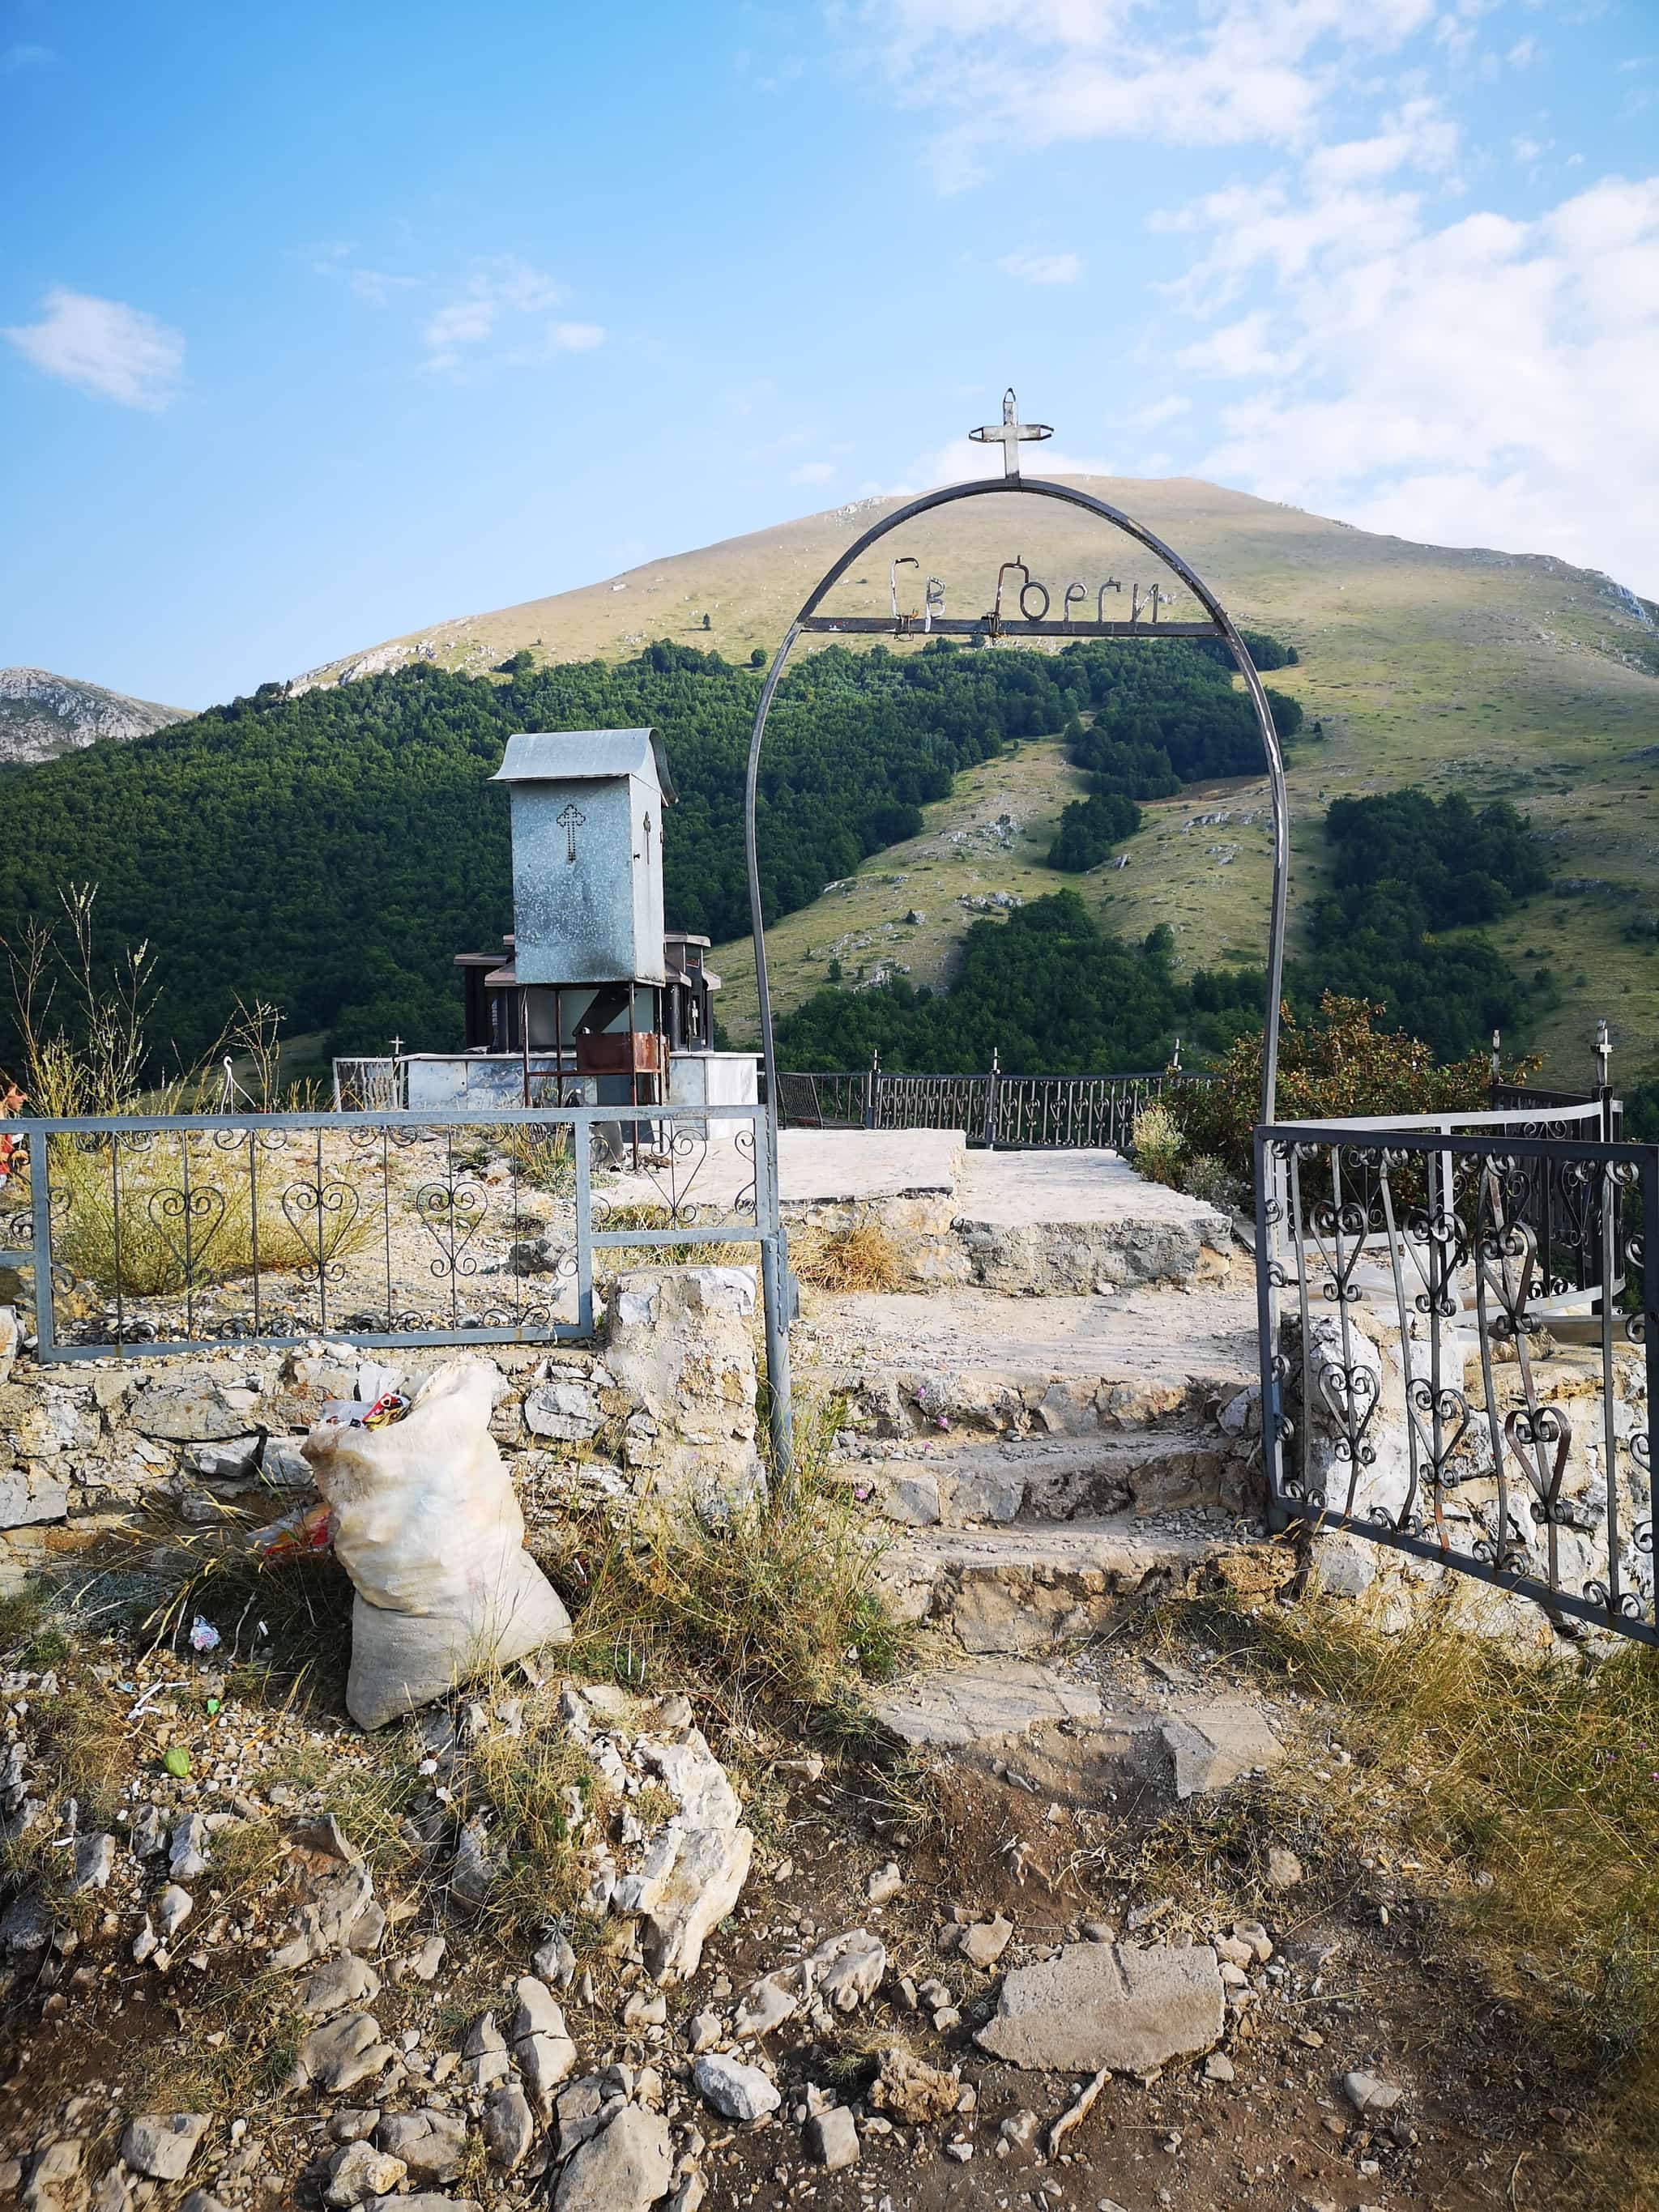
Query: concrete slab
pixel 1009 1190
pixel 1149 1336
pixel 1099 2005
pixel 829 1166
pixel 815 1167
pixel 989 1702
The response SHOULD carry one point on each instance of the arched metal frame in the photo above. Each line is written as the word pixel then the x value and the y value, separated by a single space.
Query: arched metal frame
pixel 775 1288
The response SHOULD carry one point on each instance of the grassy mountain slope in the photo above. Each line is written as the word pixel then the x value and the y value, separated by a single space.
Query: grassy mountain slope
pixel 42 715
pixel 1499 675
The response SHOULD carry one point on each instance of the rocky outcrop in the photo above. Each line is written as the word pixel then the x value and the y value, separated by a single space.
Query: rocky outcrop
pixel 42 715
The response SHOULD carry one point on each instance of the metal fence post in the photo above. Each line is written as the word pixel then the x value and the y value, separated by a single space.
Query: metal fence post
pixel 991 1100
pixel 775 1302
pixel 582 1147
pixel 871 1078
pixel 40 1215
pixel 1267 1316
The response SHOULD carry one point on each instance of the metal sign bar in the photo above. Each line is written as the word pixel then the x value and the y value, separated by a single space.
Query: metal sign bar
pixel 995 626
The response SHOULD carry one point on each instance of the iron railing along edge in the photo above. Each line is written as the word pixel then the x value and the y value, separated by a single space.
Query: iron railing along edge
pixel 767 1232
pixel 1284 1510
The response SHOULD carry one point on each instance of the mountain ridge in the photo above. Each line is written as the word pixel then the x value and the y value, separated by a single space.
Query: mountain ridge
pixel 43 715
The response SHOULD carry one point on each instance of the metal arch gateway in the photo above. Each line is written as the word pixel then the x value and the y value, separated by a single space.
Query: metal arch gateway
pixel 1010 433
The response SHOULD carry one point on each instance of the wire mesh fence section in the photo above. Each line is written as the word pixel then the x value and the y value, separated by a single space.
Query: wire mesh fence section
pixel 1459 1355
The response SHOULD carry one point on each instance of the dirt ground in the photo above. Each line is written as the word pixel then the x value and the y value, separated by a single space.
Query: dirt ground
pixel 1368 1970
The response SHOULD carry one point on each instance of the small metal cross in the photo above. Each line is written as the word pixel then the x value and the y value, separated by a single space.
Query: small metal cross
pixel 570 822
pixel 1009 433
pixel 397 1046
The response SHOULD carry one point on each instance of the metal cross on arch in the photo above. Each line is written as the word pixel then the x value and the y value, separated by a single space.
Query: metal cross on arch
pixel 1010 434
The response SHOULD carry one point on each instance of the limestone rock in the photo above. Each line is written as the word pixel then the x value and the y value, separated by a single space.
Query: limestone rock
pixel 681 1347
pixel 95 1862
pixel 28 1495
pixel 338 1982
pixel 544 2061
pixel 909 2089
pixel 361 2171
pixel 832 2139
pixel 55 2182
pixel 187 1853
pixel 483 2054
pixel 848 1968
pixel 172 1908
pixel 988 1701
pixel 1370 2093
pixel 509 2128
pixel 336 1916
pixel 884 1884
pixel 160 2145
pixel 563 1411
pixel 149 1833
pixel 556 1962
pixel 704 1880
pixel 626 2167
pixel 1103 2004
pixel 25 1926
pixel 766 2004
pixel 431 2144
pixel 1214 1744
pixel 984 1943
pixel 343 2053
pixel 193 1412
pixel 735 2091
pixel 1285 1869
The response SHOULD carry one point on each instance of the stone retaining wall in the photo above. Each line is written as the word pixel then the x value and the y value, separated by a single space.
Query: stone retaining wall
pixel 665 1402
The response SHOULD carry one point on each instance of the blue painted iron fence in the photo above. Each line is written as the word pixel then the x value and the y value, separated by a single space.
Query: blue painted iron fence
pixel 182 1232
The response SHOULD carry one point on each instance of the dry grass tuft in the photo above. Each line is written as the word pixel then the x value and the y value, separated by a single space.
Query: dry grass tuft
pixel 1531 1793
pixel 150 1249
pixel 861 1258
pixel 778 1601
pixel 536 1789
pixel 286 1625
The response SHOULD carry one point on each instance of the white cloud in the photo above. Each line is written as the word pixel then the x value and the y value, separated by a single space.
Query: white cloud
pixel 22 57
pixel 103 347
pixel 1042 72
pixel 812 472
pixel 1042 268
pixel 1484 382
pixel 497 290
pixel 379 290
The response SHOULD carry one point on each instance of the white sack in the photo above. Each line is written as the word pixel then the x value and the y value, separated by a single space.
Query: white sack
pixel 428 1529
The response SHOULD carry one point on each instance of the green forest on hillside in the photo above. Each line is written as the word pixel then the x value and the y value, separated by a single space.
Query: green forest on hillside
pixel 1056 994
pixel 332 851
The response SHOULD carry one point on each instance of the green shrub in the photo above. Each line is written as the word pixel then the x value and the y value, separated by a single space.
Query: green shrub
pixel 1157 1144
pixel 1332 1068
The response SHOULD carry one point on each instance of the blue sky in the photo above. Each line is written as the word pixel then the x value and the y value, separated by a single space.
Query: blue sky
pixel 321 323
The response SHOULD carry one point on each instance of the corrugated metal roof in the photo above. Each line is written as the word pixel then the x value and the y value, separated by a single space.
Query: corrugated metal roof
pixel 584 756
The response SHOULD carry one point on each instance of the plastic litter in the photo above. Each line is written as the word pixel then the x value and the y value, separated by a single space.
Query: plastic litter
pixel 204 1636
pixel 176 1759
pixel 426 1523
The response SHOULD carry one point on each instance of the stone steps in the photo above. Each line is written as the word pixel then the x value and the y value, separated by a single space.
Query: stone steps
pixel 1057 1735
pixel 1182 1462
pixel 1035 1586
pixel 913 1366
